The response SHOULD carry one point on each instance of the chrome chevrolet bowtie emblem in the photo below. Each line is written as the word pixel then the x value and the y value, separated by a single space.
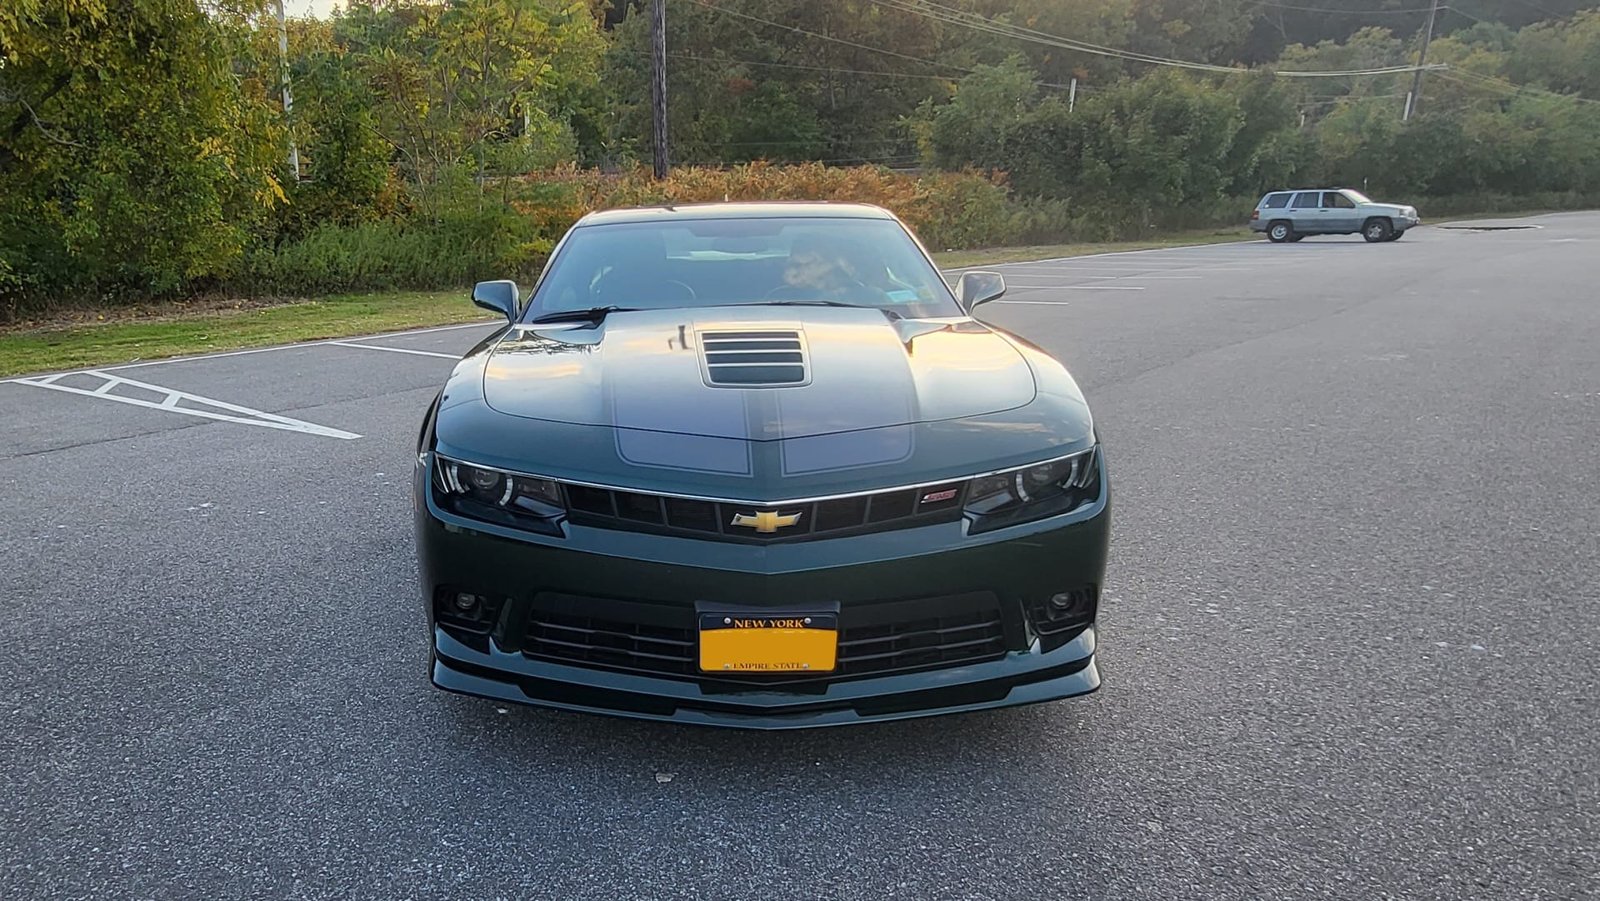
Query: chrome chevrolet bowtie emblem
pixel 766 521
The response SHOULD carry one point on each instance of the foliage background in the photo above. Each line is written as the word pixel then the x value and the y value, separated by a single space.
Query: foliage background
pixel 144 147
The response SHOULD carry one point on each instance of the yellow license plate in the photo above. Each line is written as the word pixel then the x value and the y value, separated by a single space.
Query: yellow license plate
pixel 754 643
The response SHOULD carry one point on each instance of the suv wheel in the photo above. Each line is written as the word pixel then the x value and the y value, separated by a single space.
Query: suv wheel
pixel 1279 232
pixel 1376 231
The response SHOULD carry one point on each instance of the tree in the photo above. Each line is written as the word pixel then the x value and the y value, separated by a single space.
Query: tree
pixel 977 126
pixel 450 82
pixel 131 156
pixel 1561 56
pixel 347 177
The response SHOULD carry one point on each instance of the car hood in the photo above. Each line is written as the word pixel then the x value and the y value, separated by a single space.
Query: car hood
pixel 658 371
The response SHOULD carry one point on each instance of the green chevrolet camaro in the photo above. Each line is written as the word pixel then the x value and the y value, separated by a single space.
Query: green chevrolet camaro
pixel 756 465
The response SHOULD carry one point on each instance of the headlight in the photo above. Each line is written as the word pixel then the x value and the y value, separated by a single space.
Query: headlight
pixel 1033 492
pixel 496 496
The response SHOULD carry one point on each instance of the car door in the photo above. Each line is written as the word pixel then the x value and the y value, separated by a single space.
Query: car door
pixel 1305 211
pixel 1340 212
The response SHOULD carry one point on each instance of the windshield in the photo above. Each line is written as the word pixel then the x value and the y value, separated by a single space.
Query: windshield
pixel 1357 196
pixel 720 262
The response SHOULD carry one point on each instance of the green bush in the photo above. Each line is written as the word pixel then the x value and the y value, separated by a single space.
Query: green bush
pixel 1435 208
pixel 454 250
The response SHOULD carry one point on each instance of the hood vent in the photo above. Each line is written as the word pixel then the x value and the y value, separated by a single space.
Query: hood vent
pixel 754 359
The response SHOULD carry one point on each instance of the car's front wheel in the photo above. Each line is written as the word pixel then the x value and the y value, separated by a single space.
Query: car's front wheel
pixel 1279 232
pixel 1376 231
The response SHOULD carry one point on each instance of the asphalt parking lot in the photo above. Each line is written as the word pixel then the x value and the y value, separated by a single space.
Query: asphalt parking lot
pixel 1350 640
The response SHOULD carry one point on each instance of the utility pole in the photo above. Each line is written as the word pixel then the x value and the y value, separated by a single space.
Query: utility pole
pixel 658 83
pixel 288 102
pixel 1072 94
pixel 1415 96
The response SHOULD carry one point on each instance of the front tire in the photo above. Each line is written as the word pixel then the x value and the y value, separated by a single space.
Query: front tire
pixel 1377 231
pixel 1280 231
pixel 1297 237
pixel 1396 235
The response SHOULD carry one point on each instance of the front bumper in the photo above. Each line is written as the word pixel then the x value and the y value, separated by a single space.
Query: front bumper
pixel 619 583
pixel 1004 683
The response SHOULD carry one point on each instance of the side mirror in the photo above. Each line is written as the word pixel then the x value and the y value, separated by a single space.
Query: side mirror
pixel 501 296
pixel 979 287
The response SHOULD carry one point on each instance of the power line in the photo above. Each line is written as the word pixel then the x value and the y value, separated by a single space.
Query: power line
pixel 970 20
pixel 1539 8
pixel 1455 75
pixel 848 43
pixel 797 30
pixel 832 69
pixel 728 61
pixel 1344 12
pixel 934 11
pixel 978 23
pixel 1462 12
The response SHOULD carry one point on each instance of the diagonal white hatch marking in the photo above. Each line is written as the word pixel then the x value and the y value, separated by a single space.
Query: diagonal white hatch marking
pixel 196 405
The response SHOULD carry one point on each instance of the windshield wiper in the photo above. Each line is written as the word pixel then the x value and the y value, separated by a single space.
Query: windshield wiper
pixel 806 303
pixel 593 314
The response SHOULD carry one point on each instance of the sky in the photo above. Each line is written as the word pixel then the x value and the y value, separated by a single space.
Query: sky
pixel 318 8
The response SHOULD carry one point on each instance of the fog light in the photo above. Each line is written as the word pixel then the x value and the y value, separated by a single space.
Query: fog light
pixel 466 602
pixel 1062 601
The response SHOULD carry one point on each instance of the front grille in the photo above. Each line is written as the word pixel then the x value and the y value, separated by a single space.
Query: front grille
pixel 753 359
pixel 634 511
pixel 874 639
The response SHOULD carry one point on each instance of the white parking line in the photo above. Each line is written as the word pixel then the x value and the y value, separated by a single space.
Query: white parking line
pixel 1079 287
pixel 169 403
pixel 1036 303
pixel 1185 259
pixel 396 350
pixel 1023 281
pixel 1103 267
pixel 1199 267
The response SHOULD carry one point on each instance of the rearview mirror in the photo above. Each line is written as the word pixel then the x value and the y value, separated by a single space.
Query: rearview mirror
pixel 978 287
pixel 500 295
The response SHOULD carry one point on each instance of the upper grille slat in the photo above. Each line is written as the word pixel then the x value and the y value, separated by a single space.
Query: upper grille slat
pixel 638 511
pixel 734 347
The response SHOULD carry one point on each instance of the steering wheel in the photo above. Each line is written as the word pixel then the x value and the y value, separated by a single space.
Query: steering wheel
pixel 689 294
pixel 631 292
pixel 790 292
pixel 859 293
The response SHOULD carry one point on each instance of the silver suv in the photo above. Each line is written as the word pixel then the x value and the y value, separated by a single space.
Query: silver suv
pixel 1291 215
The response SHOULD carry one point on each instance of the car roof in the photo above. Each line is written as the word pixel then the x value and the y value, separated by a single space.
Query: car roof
pixel 798 209
pixel 1301 190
